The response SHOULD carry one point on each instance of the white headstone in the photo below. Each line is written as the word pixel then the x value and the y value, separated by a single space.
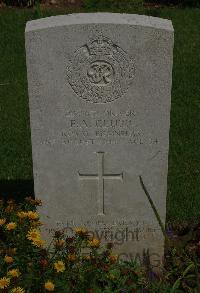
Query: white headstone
pixel 100 91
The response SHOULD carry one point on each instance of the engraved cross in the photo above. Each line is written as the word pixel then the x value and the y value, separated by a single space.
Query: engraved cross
pixel 100 176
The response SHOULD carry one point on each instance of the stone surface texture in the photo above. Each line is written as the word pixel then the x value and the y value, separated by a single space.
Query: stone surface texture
pixel 100 91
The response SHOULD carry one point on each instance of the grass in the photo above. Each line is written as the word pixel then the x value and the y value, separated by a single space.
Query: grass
pixel 184 157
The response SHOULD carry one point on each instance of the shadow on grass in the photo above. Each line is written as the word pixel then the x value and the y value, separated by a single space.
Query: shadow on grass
pixel 16 189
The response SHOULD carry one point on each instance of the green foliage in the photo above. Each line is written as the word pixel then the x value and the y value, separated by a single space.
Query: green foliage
pixel 101 4
pixel 183 258
pixel 185 272
pixel 21 3
pixel 189 3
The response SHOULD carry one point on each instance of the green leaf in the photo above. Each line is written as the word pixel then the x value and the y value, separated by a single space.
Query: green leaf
pixel 176 284
pixel 191 266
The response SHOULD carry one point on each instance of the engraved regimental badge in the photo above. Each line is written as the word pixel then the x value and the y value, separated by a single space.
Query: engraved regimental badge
pixel 100 71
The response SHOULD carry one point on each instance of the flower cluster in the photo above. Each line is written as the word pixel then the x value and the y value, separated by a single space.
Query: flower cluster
pixel 28 264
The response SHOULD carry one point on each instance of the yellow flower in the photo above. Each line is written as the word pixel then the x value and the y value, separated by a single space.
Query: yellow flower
pixel 15 273
pixel 59 266
pixel 81 231
pixel 33 234
pixel 49 286
pixel 2 222
pixel 93 242
pixel 59 243
pixel 38 242
pixel 113 258
pixel 32 215
pixel 11 226
pixel 71 257
pixel 22 215
pixel 18 290
pixel 8 259
pixel 4 283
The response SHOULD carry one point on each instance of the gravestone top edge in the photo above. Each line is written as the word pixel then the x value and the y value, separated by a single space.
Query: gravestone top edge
pixel 99 18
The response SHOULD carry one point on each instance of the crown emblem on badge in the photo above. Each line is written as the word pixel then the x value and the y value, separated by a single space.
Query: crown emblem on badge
pixel 100 46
